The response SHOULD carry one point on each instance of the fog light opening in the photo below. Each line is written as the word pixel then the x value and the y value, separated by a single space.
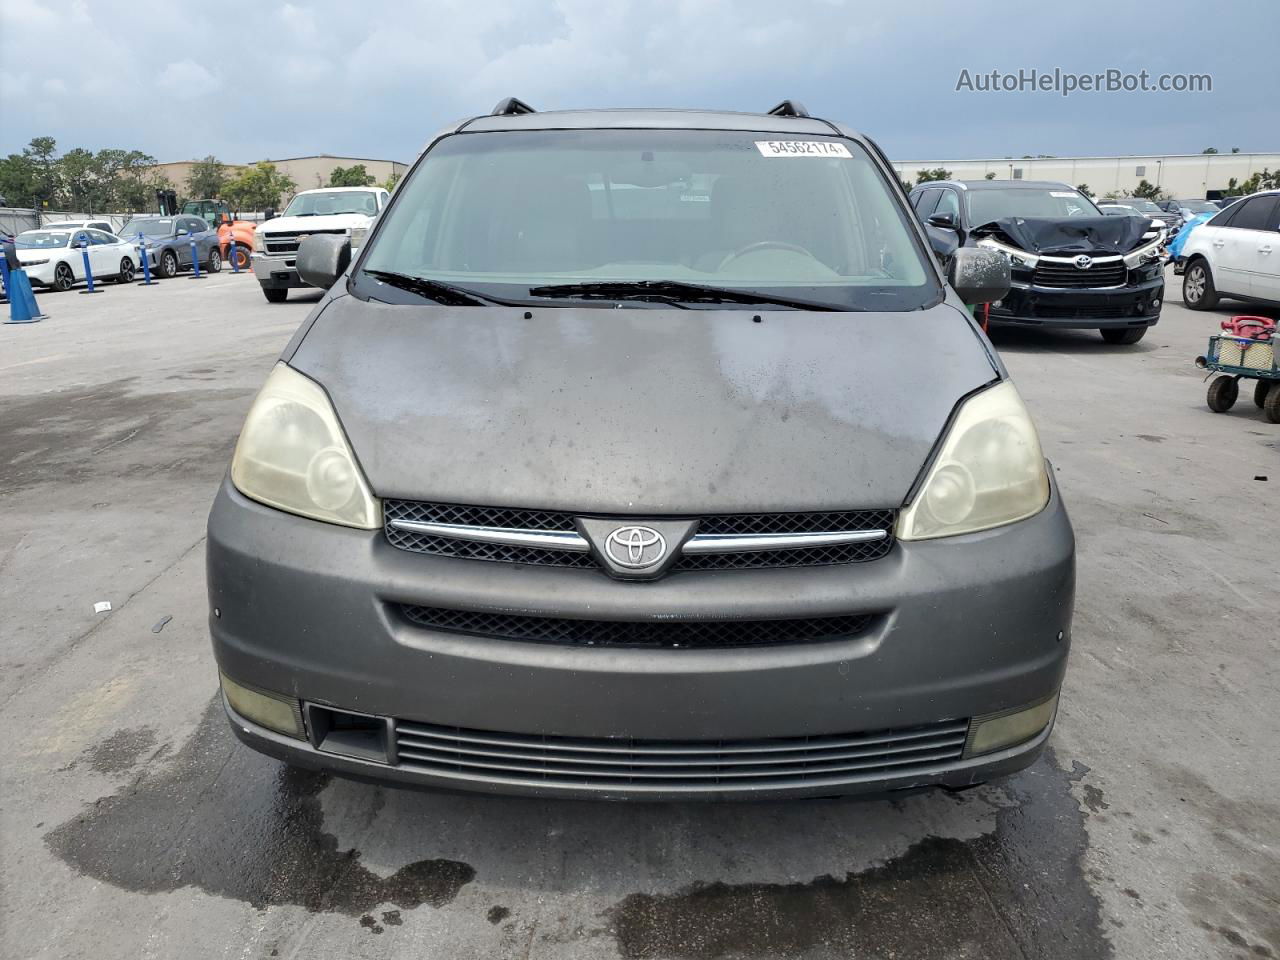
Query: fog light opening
pixel 1009 728
pixel 360 736
pixel 271 710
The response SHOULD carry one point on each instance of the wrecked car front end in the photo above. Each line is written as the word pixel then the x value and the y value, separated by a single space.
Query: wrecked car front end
pixel 1092 272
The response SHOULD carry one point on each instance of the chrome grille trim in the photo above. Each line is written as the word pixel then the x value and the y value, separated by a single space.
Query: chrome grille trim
pixel 761 543
pixel 567 540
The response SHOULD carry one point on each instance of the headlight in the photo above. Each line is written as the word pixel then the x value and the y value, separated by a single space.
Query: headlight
pixel 293 455
pixel 257 243
pixel 989 472
pixel 357 236
pixel 34 263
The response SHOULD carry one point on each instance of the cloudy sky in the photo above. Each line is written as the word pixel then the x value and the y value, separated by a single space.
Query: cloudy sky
pixel 248 79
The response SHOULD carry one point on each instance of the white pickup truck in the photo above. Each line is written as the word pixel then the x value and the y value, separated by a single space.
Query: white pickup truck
pixel 343 210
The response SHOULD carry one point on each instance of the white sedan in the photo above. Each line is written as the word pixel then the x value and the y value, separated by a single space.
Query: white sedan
pixel 54 258
pixel 1236 254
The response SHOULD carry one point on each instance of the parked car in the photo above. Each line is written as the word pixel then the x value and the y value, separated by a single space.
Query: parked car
pixel 1194 208
pixel 167 242
pixel 55 258
pixel 1072 265
pixel 707 488
pixel 338 211
pixel 1236 255
pixel 1123 210
pixel 103 225
pixel 1224 202
pixel 1171 219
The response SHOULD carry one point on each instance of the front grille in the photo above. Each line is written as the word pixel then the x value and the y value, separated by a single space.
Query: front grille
pixel 672 634
pixel 1099 312
pixel 1110 274
pixel 286 241
pixel 677 764
pixel 719 524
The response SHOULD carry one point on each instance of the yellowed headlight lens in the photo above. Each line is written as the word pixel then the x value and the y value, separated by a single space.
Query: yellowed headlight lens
pixel 1009 729
pixel 270 710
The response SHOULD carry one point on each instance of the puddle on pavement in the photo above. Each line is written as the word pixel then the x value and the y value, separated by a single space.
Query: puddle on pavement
pixel 212 819
pixel 1005 882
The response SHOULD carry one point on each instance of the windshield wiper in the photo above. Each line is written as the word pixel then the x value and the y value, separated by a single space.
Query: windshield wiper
pixel 675 292
pixel 445 293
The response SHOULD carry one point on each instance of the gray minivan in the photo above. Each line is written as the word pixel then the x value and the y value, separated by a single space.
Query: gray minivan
pixel 643 454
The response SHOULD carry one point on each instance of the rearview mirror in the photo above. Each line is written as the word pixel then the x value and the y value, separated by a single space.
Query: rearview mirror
pixel 978 275
pixel 324 257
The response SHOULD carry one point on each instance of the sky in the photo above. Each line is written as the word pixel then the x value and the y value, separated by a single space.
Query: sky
pixel 246 80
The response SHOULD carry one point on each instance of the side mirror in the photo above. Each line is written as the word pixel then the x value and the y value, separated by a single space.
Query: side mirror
pixel 978 275
pixel 945 220
pixel 323 258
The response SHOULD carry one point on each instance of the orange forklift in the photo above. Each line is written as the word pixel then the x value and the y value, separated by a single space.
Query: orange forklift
pixel 235 236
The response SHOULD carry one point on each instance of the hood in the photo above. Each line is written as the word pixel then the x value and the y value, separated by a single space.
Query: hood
pixel 335 221
pixel 30 254
pixel 645 411
pixel 1069 235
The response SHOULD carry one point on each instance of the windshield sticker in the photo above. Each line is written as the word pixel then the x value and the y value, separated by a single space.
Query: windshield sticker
pixel 1062 193
pixel 802 148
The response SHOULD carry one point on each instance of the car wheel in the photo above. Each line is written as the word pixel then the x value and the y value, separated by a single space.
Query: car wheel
pixel 63 278
pixel 1260 393
pixel 1198 291
pixel 215 260
pixel 275 294
pixel 1272 407
pixel 168 264
pixel 1222 393
pixel 1123 335
pixel 126 271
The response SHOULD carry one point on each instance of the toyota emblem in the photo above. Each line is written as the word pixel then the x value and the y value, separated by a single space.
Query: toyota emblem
pixel 1083 262
pixel 635 547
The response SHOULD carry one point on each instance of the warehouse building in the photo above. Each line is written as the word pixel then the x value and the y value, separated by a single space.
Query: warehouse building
pixel 1178 175
pixel 307 172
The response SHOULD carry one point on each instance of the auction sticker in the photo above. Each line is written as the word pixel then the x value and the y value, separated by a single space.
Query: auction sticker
pixel 802 148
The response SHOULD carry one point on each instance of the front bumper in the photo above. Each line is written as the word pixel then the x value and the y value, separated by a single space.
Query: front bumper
pixel 277 272
pixel 972 625
pixel 40 274
pixel 1128 306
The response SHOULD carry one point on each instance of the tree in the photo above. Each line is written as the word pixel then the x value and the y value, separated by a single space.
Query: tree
pixel 130 178
pixel 18 180
pixel 40 152
pixel 1235 149
pixel 259 187
pixel 1084 189
pixel 1148 191
pixel 207 179
pixel 79 175
pixel 990 176
pixel 1209 150
pixel 907 185
pixel 389 184
pixel 354 176
pixel 937 173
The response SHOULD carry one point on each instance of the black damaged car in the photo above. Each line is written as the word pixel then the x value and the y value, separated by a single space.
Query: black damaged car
pixel 1071 266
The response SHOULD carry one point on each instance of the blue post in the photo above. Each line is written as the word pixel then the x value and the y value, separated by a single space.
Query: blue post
pixel 146 261
pixel 195 262
pixel 231 249
pixel 4 274
pixel 88 271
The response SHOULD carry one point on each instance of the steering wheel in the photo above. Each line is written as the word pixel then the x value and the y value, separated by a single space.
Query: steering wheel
pixel 764 245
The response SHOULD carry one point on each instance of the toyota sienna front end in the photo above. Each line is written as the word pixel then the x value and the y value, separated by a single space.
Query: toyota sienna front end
pixel 643 454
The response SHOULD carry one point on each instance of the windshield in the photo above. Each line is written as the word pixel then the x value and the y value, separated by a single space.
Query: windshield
pixel 507 212
pixel 988 205
pixel 1198 206
pixel 152 228
pixel 38 239
pixel 324 203
pixel 1119 210
pixel 1143 206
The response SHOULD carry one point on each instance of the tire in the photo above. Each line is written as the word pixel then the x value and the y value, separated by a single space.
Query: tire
pixel 1271 409
pixel 215 261
pixel 1198 291
pixel 168 265
pixel 1260 393
pixel 275 294
pixel 127 271
pixel 1222 393
pixel 1123 335
pixel 63 277
pixel 240 256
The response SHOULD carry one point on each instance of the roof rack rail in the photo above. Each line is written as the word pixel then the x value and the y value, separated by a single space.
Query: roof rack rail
pixel 510 107
pixel 789 108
